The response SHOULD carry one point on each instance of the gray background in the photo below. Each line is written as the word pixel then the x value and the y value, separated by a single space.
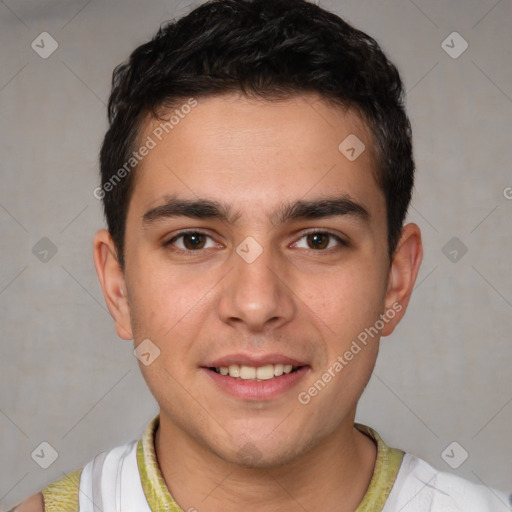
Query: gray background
pixel 66 378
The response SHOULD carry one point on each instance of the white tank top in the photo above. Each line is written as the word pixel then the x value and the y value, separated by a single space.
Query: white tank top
pixel 111 482
pixel 419 487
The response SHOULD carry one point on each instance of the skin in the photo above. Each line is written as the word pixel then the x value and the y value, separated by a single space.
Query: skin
pixel 33 504
pixel 296 299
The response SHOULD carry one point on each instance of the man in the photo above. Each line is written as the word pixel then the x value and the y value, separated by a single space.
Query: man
pixel 255 178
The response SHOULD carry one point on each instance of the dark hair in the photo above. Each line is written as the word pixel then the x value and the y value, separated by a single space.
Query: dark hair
pixel 266 48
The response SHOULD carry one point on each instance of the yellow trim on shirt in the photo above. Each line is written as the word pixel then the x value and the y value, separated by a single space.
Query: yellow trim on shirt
pixel 62 495
pixel 157 494
pixel 386 469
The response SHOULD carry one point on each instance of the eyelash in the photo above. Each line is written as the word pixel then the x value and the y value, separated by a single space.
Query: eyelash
pixel 191 253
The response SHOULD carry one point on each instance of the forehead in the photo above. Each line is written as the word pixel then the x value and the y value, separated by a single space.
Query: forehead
pixel 256 153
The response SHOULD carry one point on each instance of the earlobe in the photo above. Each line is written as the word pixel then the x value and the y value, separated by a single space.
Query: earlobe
pixel 402 275
pixel 112 282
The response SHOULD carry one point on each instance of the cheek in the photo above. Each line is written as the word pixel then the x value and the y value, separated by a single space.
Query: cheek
pixel 162 299
pixel 346 301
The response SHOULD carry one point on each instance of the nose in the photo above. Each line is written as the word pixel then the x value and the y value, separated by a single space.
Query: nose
pixel 256 294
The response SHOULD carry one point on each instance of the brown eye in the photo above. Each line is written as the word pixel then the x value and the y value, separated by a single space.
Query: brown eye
pixel 321 241
pixel 318 240
pixel 193 241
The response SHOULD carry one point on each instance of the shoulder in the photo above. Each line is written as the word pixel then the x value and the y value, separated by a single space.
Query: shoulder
pixel 419 486
pixel 58 496
pixel 118 462
pixel 33 504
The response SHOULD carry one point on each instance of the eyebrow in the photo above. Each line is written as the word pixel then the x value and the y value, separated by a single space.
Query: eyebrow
pixel 209 209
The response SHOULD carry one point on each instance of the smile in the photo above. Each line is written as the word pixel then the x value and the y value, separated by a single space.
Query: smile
pixel 266 372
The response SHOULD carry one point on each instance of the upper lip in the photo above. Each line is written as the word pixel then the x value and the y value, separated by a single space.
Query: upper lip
pixel 254 360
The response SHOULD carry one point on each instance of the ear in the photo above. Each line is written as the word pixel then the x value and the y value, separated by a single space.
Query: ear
pixel 112 282
pixel 402 275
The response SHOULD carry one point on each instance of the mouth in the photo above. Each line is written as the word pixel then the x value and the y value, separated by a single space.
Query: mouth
pixel 255 373
pixel 256 378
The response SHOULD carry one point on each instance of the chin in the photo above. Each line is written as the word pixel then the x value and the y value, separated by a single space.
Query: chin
pixel 251 457
pixel 263 453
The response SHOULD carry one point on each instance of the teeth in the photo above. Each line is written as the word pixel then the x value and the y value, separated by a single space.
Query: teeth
pixel 247 372
pixel 278 370
pixel 267 372
pixel 234 370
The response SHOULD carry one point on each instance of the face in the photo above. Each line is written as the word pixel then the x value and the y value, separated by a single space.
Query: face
pixel 254 245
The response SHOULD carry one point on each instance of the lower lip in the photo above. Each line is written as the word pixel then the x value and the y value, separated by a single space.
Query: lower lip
pixel 257 390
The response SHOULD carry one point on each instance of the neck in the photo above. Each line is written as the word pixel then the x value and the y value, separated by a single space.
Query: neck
pixel 334 475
